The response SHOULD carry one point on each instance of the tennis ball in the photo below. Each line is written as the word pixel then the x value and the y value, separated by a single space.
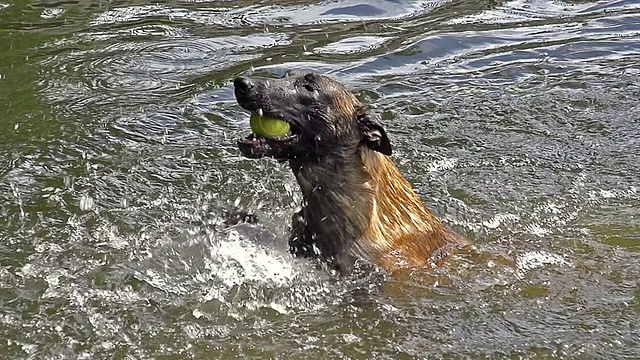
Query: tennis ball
pixel 268 127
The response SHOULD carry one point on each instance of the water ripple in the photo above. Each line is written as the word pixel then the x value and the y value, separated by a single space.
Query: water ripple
pixel 517 121
pixel 127 75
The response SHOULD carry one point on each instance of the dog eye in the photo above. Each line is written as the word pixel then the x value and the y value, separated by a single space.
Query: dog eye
pixel 309 88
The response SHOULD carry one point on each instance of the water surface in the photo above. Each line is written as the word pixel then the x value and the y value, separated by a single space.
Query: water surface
pixel 517 121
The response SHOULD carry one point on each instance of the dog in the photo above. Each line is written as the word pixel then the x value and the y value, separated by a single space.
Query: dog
pixel 356 203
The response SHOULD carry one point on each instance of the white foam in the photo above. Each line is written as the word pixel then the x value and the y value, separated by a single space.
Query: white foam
pixel 536 259
pixel 498 219
pixel 256 262
pixel 444 164
pixel 537 230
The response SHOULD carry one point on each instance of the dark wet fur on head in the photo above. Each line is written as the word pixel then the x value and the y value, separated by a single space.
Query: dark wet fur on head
pixel 315 106
pixel 356 203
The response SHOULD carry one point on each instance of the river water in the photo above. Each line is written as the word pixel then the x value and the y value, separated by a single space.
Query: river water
pixel 517 121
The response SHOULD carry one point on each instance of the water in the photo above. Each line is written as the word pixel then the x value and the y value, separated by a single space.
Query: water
pixel 517 121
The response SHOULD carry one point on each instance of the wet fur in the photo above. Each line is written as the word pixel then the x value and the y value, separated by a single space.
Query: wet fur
pixel 362 207
pixel 356 203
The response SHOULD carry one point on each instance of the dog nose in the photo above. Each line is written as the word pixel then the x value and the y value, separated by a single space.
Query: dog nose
pixel 242 85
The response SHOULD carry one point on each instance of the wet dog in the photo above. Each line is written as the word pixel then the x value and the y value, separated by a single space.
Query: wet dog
pixel 356 203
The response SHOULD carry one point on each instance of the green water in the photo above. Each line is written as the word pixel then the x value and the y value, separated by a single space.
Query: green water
pixel 517 121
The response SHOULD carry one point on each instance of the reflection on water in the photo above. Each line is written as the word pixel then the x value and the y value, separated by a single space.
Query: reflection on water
pixel 517 121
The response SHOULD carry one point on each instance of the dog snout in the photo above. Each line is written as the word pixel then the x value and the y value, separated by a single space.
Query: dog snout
pixel 242 85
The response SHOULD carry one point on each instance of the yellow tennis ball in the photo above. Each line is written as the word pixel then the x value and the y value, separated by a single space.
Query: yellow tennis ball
pixel 268 127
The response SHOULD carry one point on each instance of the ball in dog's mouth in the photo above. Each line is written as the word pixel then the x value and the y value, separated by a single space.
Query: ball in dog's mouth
pixel 270 137
pixel 265 126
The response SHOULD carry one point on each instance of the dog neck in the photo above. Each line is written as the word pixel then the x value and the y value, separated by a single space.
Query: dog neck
pixel 362 206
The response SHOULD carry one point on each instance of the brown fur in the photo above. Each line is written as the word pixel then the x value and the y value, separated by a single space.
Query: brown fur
pixel 406 231
pixel 375 207
pixel 356 202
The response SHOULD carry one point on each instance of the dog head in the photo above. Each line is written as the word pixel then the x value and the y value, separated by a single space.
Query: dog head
pixel 325 118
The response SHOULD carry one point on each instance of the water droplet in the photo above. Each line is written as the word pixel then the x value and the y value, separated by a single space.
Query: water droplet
pixel 86 202
pixel 197 313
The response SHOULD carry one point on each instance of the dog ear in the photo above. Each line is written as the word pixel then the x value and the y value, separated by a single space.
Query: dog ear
pixel 373 134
